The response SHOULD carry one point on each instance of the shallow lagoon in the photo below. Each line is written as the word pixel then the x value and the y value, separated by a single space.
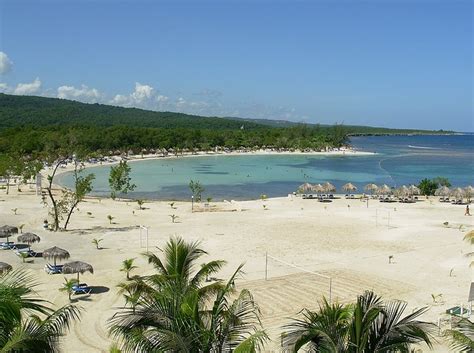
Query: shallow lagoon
pixel 399 160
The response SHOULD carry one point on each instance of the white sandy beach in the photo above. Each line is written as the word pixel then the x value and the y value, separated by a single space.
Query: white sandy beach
pixel 343 239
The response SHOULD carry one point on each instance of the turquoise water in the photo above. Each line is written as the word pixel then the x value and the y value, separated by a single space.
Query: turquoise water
pixel 399 160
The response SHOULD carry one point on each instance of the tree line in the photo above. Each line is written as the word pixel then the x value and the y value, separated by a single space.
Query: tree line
pixel 33 140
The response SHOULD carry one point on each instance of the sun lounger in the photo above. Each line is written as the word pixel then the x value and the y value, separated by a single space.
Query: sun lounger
pixel 7 245
pixel 81 289
pixel 53 270
pixel 30 253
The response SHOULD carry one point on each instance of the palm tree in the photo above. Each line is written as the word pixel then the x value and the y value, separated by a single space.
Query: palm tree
pixel 369 325
pixel 110 218
pixel 462 336
pixel 68 286
pixel 178 310
pixel 26 323
pixel 96 242
pixel 127 267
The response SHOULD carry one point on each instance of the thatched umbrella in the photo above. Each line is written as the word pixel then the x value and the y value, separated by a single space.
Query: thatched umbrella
pixel 458 193
pixel 402 191
pixel 318 188
pixel 349 187
pixel 305 187
pixel 443 191
pixel 384 189
pixel 29 238
pixel 4 267
pixel 328 187
pixel 77 267
pixel 413 190
pixel 7 231
pixel 55 253
pixel 468 192
pixel 371 188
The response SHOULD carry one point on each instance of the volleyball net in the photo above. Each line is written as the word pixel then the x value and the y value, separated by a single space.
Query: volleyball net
pixel 298 276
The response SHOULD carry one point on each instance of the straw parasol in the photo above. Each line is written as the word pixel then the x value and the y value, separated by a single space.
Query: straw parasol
pixel 29 238
pixel 413 190
pixel 349 187
pixel 443 191
pixel 6 231
pixel 402 191
pixel 468 192
pixel 458 193
pixel 77 267
pixel 305 187
pixel 4 267
pixel 328 187
pixel 384 189
pixel 371 188
pixel 318 188
pixel 55 253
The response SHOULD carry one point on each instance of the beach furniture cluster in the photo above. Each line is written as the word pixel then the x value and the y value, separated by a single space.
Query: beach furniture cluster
pixel 384 193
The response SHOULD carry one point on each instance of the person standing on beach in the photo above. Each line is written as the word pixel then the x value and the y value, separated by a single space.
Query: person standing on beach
pixel 467 213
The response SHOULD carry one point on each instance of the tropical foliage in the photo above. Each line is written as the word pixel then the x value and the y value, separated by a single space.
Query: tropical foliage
pixel 367 326
pixel 27 323
pixel 429 186
pixel 120 180
pixel 196 189
pixel 461 335
pixel 178 309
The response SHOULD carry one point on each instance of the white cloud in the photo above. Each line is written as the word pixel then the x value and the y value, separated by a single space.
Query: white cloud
pixel 143 96
pixel 5 63
pixel 28 88
pixel 142 92
pixel 84 93
pixel 4 87
pixel 162 99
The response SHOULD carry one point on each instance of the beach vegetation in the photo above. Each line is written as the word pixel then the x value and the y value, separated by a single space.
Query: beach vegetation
pixel 96 242
pixel 368 325
pixel 140 204
pixel 180 309
pixel 110 218
pixel 174 218
pixel 428 186
pixel 461 335
pixel 82 187
pixel 127 267
pixel 27 323
pixel 120 180
pixel 68 286
pixel 196 189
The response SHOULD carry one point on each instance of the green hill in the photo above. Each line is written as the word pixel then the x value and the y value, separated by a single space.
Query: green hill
pixel 42 111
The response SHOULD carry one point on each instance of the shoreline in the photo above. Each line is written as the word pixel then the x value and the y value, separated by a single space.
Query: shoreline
pixel 139 157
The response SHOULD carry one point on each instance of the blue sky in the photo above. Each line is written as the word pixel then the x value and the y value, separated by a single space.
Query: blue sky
pixel 383 63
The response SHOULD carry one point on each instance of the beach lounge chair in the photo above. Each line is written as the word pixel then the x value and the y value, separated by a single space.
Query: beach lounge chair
pixel 7 245
pixel 30 253
pixel 53 270
pixel 81 289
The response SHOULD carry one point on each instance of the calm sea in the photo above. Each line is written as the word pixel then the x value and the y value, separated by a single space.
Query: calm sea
pixel 399 160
